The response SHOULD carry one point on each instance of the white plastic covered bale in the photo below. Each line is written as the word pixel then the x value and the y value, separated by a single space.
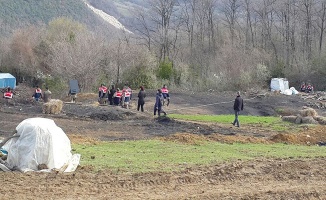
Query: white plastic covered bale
pixel 41 141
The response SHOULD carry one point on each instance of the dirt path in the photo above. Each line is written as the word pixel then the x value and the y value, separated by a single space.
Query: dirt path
pixel 260 179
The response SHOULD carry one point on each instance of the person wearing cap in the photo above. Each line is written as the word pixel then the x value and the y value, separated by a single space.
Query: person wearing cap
pixel 158 107
pixel 238 106
pixel 141 99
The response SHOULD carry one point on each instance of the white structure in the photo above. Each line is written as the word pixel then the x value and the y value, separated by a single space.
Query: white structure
pixel 40 141
pixel 279 84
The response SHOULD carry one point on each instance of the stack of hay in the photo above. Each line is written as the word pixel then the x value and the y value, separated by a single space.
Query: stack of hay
pixel 306 116
pixel 54 106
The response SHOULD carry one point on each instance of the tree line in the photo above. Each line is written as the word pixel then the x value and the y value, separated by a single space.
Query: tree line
pixel 192 44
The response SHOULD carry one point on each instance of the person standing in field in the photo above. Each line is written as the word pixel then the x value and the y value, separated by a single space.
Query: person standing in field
pixel 238 106
pixel 47 95
pixel 159 103
pixel 166 95
pixel 111 93
pixel 141 99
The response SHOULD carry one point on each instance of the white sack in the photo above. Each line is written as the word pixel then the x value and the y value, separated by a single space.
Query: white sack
pixel 294 91
pixel 41 141
pixel 287 92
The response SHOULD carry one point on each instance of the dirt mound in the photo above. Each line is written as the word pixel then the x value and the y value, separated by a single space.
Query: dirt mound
pixel 80 139
pixel 310 136
pixel 230 139
pixel 186 138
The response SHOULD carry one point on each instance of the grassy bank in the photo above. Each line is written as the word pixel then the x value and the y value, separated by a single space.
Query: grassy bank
pixel 157 155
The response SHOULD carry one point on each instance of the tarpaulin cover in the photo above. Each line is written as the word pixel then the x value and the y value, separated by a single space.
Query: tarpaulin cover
pixel 74 88
pixel 279 84
pixel 7 80
pixel 41 141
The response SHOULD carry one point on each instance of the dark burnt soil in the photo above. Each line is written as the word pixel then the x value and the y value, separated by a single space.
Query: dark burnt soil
pixel 115 123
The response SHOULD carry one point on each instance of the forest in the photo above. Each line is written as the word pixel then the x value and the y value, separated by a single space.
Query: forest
pixel 187 44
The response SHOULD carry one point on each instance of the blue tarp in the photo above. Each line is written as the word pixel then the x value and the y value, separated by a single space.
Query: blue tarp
pixel 7 80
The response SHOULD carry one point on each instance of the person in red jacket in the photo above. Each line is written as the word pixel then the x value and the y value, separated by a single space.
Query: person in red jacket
pixel 8 94
pixel 165 94
pixel 37 94
pixel 309 88
pixel 126 98
pixel 303 87
pixel 117 97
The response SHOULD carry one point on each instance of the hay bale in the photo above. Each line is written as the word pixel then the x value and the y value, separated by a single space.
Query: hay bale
pixel 308 112
pixel 309 120
pixel 320 119
pixel 291 119
pixel 54 106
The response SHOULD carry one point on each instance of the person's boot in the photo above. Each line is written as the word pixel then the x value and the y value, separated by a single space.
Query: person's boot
pixel 168 102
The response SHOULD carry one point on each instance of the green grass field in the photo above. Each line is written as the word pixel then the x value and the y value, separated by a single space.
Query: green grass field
pixel 273 123
pixel 157 155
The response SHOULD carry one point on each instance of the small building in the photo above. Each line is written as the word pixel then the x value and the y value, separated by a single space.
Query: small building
pixel 7 80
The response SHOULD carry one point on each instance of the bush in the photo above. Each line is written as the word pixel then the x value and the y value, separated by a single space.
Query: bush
pixel 139 76
pixel 56 85
pixel 165 70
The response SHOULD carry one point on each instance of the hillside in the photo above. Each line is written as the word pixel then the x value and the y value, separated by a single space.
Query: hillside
pixel 21 13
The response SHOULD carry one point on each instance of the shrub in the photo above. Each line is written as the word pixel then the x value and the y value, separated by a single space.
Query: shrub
pixel 165 70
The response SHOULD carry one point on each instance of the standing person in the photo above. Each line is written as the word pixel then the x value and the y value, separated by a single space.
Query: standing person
pixel 111 93
pixel 126 98
pixel 47 95
pixel 166 96
pixel 141 98
pixel 73 95
pixel 159 103
pixel 37 94
pixel 238 106
pixel 117 97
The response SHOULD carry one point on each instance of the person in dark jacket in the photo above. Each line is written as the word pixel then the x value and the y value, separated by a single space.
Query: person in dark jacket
pixel 159 103
pixel 238 106
pixel 141 99
pixel 111 93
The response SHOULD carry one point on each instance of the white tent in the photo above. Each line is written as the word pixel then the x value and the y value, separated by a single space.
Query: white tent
pixel 279 84
pixel 40 141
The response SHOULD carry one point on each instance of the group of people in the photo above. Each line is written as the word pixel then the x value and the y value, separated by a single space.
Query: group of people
pixel 8 93
pixel 307 87
pixel 38 95
pixel 123 97
pixel 115 96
